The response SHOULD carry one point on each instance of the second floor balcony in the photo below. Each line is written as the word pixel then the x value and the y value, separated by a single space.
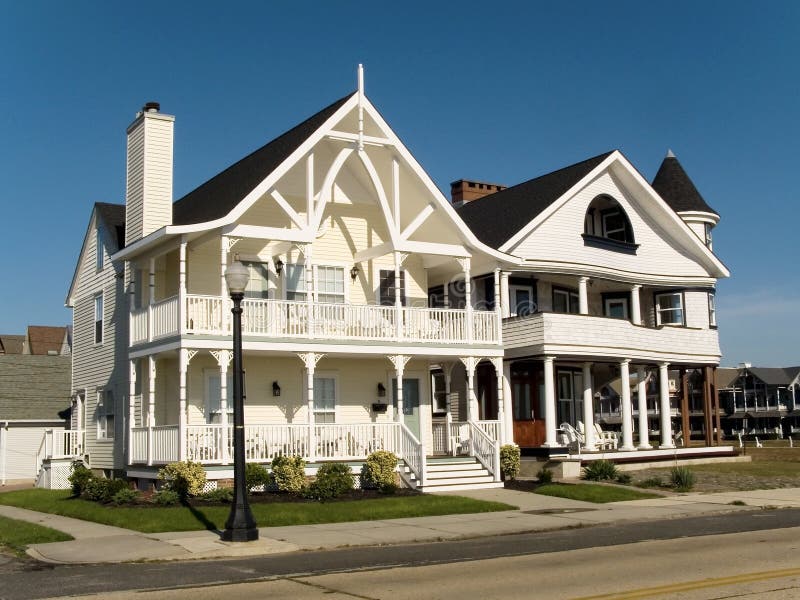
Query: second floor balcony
pixel 284 319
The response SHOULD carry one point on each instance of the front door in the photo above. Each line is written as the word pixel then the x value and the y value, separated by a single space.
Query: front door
pixel 410 403
pixel 529 431
pixel 570 397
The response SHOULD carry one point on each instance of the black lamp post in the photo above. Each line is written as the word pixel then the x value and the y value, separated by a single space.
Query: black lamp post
pixel 240 526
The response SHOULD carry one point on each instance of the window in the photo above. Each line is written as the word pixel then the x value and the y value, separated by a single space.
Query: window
pixel 214 395
pixel 98 319
pixel 295 282
pixel 100 247
pixel 669 309
pixel 457 294
pixel 258 283
pixel 436 297
pixel 606 225
pixel 330 284
pixel 712 310
pixel 709 238
pixel 565 301
pixel 522 303
pixel 386 290
pixel 324 399
pixel 615 226
pixel 616 307
pixel 438 392
pixel 105 414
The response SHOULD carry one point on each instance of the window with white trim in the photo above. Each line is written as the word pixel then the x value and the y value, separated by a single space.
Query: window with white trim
pixel 712 310
pixel 330 284
pixel 387 288
pixel 438 392
pixel 709 238
pixel 669 309
pixel 295 282
pixel 98 318
pixel 214 394
pixel 565 301
pixel 100 248
pixel 105 414
pixel 258 282
pixel 324 399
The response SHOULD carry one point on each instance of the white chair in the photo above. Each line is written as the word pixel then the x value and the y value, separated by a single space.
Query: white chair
pixel 570 437
pixel 606 440
pixel 758 443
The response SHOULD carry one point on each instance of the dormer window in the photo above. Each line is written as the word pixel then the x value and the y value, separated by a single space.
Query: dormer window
pixel 606 225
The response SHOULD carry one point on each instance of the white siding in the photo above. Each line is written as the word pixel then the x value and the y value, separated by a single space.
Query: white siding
pixel 20 444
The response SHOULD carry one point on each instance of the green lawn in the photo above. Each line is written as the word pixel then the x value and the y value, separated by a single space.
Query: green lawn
pixel 181 518
pixel 591 492
pixel 17 535
pixel 756 469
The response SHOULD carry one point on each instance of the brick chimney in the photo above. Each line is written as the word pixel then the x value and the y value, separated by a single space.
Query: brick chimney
pixel 463 190
pixel 148 188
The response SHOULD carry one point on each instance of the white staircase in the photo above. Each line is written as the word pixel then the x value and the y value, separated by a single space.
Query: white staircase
pixel 446 474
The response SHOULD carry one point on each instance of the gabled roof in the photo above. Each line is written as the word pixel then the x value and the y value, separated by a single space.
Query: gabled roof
pixel 726 377
pixel 775 375
pixel 495 218
pixel 674 186
pixel 44 340
pixel 220 194
pixel 34 387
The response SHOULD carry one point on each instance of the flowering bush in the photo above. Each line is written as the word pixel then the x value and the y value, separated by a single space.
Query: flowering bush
pixel 185 478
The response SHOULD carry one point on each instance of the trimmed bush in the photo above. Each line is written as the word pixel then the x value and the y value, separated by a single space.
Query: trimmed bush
pixel 224 495
pixel 379 472
pixel 600 470
pixel 125 496
pixel 509 461
pixel 79 478
pixel 166 497
pixel 545 476
pixel 682 478
pixel 185 478
pixel 333 480
pixel 624 478
pixel 100 489
pixel 289 473
pixel 255 475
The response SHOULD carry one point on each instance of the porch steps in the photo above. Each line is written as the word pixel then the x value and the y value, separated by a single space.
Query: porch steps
pixel 446 474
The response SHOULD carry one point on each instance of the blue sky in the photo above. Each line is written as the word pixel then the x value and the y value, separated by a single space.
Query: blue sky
pixel 500 92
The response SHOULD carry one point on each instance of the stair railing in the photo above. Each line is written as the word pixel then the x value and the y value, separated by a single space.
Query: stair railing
pixel 412 453
pixel 485 449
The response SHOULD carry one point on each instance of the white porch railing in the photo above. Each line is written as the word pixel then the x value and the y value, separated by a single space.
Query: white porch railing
pixel 354 440
pixel 262 443
pixel 485 449
pixel 290 319
pixel 60 443
pixel 411 450
pixel 154 445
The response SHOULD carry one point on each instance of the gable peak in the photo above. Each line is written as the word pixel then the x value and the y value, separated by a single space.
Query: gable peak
pixel 670 153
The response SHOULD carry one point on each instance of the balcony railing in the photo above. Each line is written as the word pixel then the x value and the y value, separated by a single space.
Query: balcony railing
pixel 291 319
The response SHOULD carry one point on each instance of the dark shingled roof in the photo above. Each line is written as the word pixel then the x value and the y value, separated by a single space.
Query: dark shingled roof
pixel 774 375
pixel 674 186
pixel 494 219
pixel 43 339
pixel 726 377
pixel 34 387
pixel 114 216
pixel 220 194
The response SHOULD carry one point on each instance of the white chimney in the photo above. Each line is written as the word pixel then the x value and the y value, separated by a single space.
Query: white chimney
pixel 148 189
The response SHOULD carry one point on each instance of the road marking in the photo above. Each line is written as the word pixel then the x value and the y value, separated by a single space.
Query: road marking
pixel 694 585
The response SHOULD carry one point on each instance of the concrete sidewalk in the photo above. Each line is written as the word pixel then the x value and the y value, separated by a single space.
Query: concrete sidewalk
pixel 96 543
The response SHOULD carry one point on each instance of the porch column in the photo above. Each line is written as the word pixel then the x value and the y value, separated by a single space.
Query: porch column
pixel 627 416
pixel 715 397
pixel 508 413
pixel 151 297
pixel 224 358
pixel 589 442
pixel 498 369
pixel 708 416
pixel 151 406
pixel 131 406
pixel 641 393
pixel 666 420
pixel 550 440
pixel 309 272
pixel 183 367
pixel 447 369
pixel 224 248
pixel 686 426
pixel 310 360
pixel 636 310
pixel 399 362
pixel 470 363
pixel 182 287
pixel 583 296
pixel 505 305
pixel 465 265
pixel 398 299
pixel 498 311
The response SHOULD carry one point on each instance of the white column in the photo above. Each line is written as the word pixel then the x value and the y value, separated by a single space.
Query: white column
pixel 309 272
pixel 504 295
pixel 447 369
pixel 398 373
pixel 470 363
pixel 641 392
pixel 224 360
pixel 550 402
pixel 468 299
pixel 666 420
pixel 182 287
pixel 636 311
pixel 508 413
pixel 151 298
pixel 183 367
pixel 583 296
pixel 223 287
pixel 398 299
pixel 627 416
pixel 131 406
pixel 311 366
pixel 589 442
pixel 498 370
pixel 151 392
pixel 498 311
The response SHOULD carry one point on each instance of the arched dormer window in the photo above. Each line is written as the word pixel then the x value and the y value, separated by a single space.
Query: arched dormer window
pixel 606 225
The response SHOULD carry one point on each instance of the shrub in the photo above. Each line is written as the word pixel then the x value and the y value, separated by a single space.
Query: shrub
pixel 289 473
pixel 682 478
pixel 544 476
pixel 186 478
pixel 224 495
pixel 333 480
pixel 651 482
pixel 100 489
pixel 125 496
pixel 255 475
pixel 79 478
pixel 509 461
pixel 600 470
pixel 624 478
pixel 379 472
pixel 166 497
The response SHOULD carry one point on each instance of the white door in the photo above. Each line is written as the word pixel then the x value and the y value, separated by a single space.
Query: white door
pixel 411 413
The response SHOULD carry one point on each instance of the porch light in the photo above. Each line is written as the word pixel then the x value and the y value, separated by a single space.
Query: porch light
pixel 276 389
pixel 354 272
pixel 381 390
pixel 278 266
pixel 236 276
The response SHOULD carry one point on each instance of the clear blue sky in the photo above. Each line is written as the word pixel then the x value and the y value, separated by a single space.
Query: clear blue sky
pixel 496 91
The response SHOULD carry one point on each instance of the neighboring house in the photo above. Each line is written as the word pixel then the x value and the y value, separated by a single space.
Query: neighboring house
pixel 616 280
pixel 760 400
pixel 374 317
pixel 34 399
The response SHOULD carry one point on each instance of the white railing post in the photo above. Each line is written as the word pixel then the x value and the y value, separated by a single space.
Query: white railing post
pixel 496 460
pixel 149 444
pixel 423 467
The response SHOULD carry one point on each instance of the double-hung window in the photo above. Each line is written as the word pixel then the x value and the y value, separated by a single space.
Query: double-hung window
pixel 214 395
pixel 712 310
pixel 387 288
pixel 98 318
pixel 669 309
pixel 330 284
pixel 324 399
pixel 258 282
pixel 295 282
pixel 105 414
pixel 565 301
pixel 438 392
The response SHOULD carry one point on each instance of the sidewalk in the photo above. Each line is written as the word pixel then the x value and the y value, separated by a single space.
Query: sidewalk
pixel 96 543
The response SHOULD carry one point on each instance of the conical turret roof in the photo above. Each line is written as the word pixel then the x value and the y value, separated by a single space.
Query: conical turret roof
pixel 674 186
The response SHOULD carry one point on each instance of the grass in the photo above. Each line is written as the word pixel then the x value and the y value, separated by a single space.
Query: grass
pixel 18 535
pixel 592 492
pixel 755 469
pixel 157 519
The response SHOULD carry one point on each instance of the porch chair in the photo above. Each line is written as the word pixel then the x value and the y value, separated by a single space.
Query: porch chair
pixel 758 443
pixel 606 440
pixel 570 437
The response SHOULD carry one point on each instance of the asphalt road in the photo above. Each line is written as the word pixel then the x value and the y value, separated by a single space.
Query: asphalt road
pixel 23 581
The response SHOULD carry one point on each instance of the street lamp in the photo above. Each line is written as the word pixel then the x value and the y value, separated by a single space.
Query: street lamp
pixel 240 526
